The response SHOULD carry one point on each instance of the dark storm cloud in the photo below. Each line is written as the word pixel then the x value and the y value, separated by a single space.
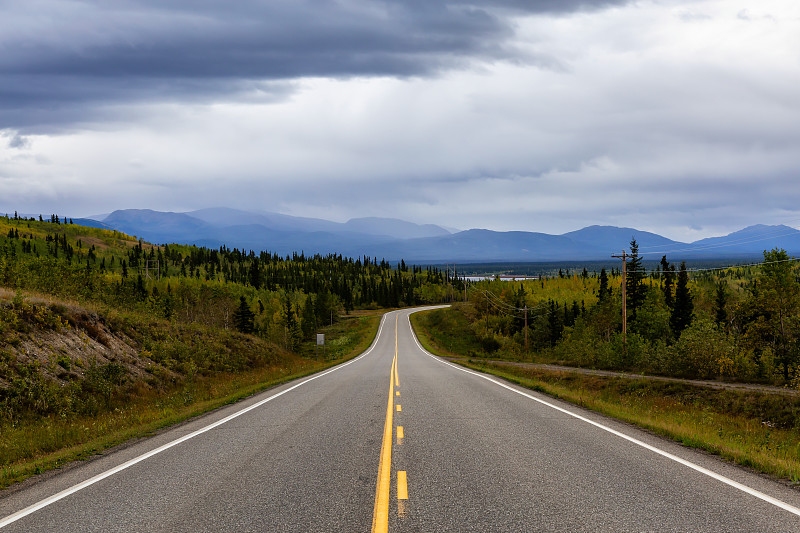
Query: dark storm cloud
pixel 18 141
pixel 50 102
pixel 67 61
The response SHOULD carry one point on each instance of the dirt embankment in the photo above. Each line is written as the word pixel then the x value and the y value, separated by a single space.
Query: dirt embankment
pixel 61 342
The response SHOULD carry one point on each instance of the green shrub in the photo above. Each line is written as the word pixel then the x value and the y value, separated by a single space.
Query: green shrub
pixel 704 351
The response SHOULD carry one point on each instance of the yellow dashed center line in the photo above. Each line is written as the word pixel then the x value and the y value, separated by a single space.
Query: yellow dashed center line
pixel 402 485
pixel 380 513
pixel 396 377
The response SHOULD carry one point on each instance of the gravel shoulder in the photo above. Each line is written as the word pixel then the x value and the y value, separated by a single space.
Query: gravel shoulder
pixel 768 389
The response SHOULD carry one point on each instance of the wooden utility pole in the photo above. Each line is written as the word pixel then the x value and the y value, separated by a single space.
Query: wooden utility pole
pixel 624 258
pixel 526 329
pixel 450 293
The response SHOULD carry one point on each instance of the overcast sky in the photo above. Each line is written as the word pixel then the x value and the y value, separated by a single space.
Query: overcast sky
pixel 680 117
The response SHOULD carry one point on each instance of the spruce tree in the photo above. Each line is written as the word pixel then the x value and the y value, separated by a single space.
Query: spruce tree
pixel 243 317
pixel 322 308
pixel 684 306
pixel 309 325
pixel 668 271
pixel 605 292
pixel 254 274
pixel 634 284
pixel 290 323
pixel 554 324
pixel 720 300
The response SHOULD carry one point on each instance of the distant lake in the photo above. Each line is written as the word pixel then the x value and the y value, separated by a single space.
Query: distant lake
pixel 502 277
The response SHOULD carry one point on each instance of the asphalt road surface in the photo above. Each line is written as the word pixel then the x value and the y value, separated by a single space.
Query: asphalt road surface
pixel 399 440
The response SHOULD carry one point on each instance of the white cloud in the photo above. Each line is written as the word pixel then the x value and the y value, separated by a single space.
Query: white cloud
pixel 681 119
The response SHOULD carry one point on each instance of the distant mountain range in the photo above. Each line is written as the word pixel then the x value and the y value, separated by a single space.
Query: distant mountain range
pixel 394 239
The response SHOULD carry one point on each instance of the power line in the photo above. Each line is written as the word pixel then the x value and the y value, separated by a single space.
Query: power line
pixel 740 240
pixel 711 269
pixel 508 307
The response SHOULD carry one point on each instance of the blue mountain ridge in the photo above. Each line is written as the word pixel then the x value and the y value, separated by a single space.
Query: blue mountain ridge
pixel 395 239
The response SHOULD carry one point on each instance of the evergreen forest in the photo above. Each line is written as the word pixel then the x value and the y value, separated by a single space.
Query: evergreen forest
pixel 739 323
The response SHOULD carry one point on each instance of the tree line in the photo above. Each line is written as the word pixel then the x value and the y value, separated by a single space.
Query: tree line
pixel 287 298
pixel 735 323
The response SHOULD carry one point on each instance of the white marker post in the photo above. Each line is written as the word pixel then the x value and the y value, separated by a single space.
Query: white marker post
pixel 320 342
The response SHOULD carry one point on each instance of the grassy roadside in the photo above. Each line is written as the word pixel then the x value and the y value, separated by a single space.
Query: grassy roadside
pixel 29 449
pixel 753 429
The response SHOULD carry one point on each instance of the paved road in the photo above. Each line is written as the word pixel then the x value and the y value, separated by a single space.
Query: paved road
pixel 477 454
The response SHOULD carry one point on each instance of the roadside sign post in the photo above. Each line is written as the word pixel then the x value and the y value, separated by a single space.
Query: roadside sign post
pixel 320 342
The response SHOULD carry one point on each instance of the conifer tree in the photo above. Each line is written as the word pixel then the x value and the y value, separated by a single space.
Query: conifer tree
pixel 720 300
pixel 141 290
pixel 605 292
pixel 254 274
pixel 668 271
pixel 243 317
pixel 683 310
pixel 634 284
pixel 290 323
pixel 322 308
pixel 309 325
pixel 554 324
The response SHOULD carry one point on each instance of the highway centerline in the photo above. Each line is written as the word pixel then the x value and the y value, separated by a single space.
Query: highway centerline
pixel 380 513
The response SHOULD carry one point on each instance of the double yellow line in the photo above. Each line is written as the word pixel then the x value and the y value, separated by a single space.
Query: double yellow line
pixel 380 513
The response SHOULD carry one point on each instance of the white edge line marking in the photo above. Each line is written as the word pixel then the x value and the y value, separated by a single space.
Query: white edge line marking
pixel 99 477
pixel 744 488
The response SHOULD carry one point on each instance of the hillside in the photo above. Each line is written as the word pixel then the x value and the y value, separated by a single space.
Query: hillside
pixel 64 359
pixel 63 342
pixel 101 331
